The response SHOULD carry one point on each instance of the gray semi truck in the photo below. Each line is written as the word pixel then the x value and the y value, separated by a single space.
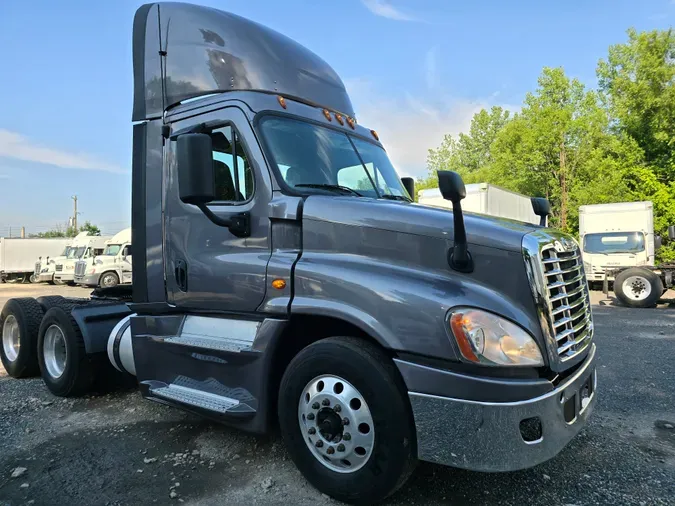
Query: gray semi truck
pixel 283 275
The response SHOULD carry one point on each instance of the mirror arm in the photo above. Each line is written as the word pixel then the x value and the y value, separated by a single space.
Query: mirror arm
pixel 459 257
pixel 239 224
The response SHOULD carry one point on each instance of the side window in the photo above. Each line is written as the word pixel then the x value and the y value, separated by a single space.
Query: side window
pixel 234 176
pixel 98 251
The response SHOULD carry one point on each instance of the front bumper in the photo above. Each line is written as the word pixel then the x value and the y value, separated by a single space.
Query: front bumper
pixel 87 279
pixel 486 436
pixel 64 276
pixel 45 276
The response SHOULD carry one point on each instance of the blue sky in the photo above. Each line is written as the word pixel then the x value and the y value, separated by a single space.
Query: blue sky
pixel 416 69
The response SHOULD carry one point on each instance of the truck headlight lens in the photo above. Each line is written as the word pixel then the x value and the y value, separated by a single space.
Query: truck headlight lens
pixel 485 338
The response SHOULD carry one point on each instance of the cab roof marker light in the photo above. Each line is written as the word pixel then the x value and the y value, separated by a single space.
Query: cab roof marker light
pixel 339 119
pixel 327 115
pixel 374 134
pixel 282 101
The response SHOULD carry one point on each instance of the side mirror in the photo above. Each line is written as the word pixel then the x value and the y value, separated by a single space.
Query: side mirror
pixel 409 185
pixel 452 188
pixel 542 208
pixel 194 161
pixel 671 232
pixel 658 242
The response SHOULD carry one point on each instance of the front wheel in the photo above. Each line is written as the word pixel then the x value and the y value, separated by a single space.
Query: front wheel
pixel 638 287
pixel 108 280
pixel 346 420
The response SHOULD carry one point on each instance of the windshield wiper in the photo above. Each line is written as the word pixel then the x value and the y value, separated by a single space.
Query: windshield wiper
pixel 343 189
pixel 396 197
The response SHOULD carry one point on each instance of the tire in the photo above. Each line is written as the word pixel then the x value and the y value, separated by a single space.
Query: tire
pixel 352 363
pixel 49 301
pixel 638 287
pixel 108 280
pixel 20 318
pixel 76 375
pixel 33 278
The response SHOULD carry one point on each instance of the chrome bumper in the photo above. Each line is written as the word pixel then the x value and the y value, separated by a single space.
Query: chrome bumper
pixel 45 276
pixel 87 279
pixel 486 436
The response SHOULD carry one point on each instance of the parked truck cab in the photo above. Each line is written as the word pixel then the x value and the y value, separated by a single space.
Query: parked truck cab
pixel 282 275
pixel 83 247
pixel 111 267
pixel 46 267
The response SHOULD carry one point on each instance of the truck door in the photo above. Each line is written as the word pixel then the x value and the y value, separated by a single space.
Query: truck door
pixel 125 265
pixel 206 266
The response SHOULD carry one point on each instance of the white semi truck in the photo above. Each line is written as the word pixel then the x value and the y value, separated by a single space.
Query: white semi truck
pixel 83 247
pixel 110 268
pixel 46 266
pixel 486 198
pixel 17 256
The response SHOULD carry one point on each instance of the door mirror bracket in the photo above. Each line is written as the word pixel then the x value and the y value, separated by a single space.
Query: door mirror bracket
pixel 238 224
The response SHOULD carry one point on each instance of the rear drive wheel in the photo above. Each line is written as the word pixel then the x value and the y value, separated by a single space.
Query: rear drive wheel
pixel 20 321
pixel 638 287
pixel 346 420
pixel 49 301
pixel 65 366
pixel 108 279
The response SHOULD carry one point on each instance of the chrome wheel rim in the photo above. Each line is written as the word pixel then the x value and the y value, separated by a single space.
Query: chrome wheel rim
pixel 54 351
pixel 11 338
pixel 637 288
pixel 336 424
pixel 108 280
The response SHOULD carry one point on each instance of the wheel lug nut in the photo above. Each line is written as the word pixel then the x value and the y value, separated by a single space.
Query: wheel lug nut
pixel 340 447
pixel 315 405
pixel 330 450
pixel 325 402
pixel 337 408
pixel 312 431
pixel 345 421
pixel 319 444
pixel 347 436
pixel 310 416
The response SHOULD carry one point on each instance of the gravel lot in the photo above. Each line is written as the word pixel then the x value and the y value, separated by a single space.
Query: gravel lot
pixel 115 448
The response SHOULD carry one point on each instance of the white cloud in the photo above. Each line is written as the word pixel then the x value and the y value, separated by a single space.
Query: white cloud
pixel 409 126
pixel 384 9
pixel 13 145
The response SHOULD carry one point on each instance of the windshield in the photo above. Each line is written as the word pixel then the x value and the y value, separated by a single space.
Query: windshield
pixel 77 252
pixel 614 242
pixel 66 251
pixel 314 157
pixel 112 249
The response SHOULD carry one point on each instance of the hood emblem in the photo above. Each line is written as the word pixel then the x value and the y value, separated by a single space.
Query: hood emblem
pixel 563 245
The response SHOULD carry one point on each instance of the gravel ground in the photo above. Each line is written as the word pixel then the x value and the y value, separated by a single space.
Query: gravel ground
pixel 117 449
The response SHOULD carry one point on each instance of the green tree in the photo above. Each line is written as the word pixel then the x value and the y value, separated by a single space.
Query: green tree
pixel 638 82
pixel 70 231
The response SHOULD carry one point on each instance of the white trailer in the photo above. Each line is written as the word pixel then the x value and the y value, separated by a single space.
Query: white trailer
pixel 486 198
pixel 616 235
pixel 17 256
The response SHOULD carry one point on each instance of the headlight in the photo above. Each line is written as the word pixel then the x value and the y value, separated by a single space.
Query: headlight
pixel 487 339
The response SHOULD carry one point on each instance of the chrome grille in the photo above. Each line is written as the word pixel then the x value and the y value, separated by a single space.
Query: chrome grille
pixel 556 273
pixel 571 324
pixel 38 268
pixel 59 267
pixel 80 267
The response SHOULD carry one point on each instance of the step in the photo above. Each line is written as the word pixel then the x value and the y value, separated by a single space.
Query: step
pixel 197 398
pixel 210 343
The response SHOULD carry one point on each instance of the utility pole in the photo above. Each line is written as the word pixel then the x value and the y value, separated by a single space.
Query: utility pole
pixel 74 197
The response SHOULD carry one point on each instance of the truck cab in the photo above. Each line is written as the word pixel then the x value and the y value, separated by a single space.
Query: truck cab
pixel 111 267
pixel 283 276
pixel 45 268
pixel 83 247
pixel 616 235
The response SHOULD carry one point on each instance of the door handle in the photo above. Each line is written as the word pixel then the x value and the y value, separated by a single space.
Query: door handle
pixel 181 275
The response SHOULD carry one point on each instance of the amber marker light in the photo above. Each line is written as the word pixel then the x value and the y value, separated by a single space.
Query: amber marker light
pixel 374 134
pixel 282 101
pixel 327 115
pixel 279 284
pixel 351 122
pixel 339 119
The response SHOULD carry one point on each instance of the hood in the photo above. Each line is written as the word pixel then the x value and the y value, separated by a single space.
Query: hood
pixel 416 219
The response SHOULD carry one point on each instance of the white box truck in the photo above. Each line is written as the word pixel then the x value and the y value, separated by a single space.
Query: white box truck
pixel 17 256
pixel 616 235
pixel 486 198
pixel 110 268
